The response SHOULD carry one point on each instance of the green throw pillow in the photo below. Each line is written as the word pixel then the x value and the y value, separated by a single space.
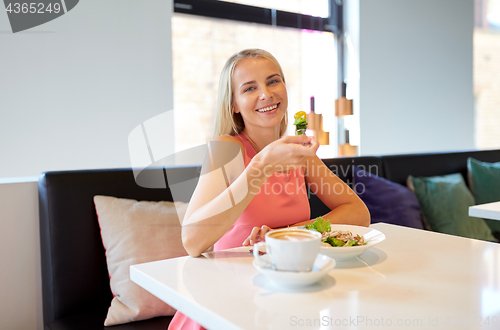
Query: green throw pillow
pixel 445 202
pixel 484 180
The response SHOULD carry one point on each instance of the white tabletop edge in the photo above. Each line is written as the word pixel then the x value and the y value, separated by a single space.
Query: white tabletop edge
pixel 191 309
pixel 380 226
pixel 488 211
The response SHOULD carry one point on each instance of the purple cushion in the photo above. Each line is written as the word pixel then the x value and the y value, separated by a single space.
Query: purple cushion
pixel 387 201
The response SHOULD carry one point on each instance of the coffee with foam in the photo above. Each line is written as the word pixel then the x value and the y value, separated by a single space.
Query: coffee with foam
pixel 289 249
pixel 292 236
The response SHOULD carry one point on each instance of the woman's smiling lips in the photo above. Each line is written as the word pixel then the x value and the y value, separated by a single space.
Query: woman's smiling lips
pixel 269 109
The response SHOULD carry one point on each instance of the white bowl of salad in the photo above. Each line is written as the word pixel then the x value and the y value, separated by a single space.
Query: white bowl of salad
pixel 344 242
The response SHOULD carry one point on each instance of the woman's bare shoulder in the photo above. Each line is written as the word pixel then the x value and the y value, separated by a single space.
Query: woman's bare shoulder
pixel 227 138
pixel 230 138
pixel 224 150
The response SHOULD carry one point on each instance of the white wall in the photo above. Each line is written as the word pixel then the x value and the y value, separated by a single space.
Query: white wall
pixel 415 64
pixel 72 89
pixel 20 274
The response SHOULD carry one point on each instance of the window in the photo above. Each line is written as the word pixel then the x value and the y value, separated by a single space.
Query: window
pixel 487 73
pixel 201 45
pixel 318 8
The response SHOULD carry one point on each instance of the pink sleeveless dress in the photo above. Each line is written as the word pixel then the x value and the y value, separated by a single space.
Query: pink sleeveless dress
pixel 281 201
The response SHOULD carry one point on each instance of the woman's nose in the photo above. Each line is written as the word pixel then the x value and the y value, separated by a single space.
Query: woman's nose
pixel 266 94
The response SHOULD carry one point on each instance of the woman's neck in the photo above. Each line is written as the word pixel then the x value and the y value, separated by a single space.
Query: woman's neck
pixel 262 137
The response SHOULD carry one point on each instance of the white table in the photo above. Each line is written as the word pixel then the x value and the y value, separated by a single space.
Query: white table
pixel 486 211
pixel 415 279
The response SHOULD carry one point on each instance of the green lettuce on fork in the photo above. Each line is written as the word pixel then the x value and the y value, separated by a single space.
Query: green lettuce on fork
pixel 300 122
pixel 337 238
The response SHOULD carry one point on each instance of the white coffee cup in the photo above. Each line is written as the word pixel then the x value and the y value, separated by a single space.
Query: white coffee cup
pixel 289 249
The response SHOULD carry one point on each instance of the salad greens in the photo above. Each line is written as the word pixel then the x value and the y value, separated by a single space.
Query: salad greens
pixel 320 225
pixel 336 238
pixel 334 242
pixel 300 123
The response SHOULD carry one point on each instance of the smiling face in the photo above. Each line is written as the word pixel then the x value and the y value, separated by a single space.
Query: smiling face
pixel 259 93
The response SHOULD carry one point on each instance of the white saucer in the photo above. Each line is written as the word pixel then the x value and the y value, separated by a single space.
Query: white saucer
pixel 322 265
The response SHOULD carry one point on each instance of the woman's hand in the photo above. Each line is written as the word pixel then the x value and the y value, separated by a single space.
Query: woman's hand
pixel 289 152
pixel 258 234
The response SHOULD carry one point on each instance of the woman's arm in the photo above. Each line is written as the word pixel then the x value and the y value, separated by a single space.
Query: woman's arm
pixel 346 207
pixel 226 187
pixel 222 193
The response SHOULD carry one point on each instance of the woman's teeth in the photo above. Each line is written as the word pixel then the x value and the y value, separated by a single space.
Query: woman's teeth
pixel 272 107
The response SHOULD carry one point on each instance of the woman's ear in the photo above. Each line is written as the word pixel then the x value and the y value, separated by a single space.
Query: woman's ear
pixel 235 109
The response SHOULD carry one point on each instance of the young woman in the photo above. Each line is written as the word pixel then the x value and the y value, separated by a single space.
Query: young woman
pixel 254 178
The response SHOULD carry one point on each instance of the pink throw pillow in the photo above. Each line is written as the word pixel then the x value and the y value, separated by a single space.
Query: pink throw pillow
pixel 135 232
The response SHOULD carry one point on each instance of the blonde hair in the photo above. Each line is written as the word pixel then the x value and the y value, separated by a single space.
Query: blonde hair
pixel 227 122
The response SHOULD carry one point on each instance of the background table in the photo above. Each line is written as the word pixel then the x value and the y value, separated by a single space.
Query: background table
pixel 487 211
pixel 414 279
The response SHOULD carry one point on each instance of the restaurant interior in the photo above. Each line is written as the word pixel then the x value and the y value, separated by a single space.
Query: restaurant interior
pixel 379 79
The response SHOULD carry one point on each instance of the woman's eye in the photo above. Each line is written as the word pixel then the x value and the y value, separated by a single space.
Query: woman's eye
pixel 249 89
pixel 274 81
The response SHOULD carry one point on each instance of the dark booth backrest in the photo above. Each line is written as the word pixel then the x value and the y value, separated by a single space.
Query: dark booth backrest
pixel 397 168
pixel 343 168
pixel 70 236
